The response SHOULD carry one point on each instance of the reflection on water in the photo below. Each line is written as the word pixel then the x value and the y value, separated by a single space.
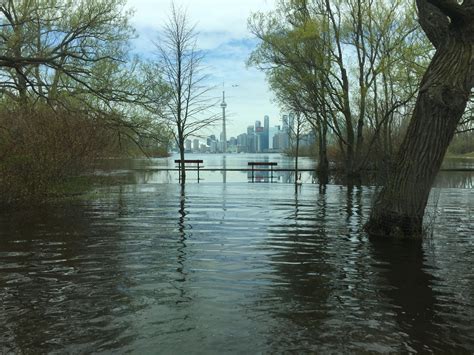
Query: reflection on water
pixel 59 280
pixel 235 267
pixel 142 171
pixel 409 290
pixel 458 179
pixel 458 163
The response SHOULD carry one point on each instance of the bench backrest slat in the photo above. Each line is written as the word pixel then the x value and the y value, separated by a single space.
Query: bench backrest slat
pixel 262 163
pixel 190 161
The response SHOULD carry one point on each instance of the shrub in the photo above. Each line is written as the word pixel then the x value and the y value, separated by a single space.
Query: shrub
pixel 41 148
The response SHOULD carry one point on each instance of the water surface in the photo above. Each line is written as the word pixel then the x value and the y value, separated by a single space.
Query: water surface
pixel 146 267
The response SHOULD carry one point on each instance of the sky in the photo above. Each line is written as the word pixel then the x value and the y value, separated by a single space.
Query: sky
pixel 223 35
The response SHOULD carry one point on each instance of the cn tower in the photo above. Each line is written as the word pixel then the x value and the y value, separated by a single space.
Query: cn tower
pixel 224 136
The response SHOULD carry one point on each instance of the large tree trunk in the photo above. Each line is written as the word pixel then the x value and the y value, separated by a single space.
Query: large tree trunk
pixel 444 92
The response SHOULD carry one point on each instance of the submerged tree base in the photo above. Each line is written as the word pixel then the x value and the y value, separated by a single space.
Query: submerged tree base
pixel 394 226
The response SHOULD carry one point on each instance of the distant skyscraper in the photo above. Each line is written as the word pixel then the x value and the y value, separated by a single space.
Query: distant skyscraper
pixel 224 135
pixel 271 134
pixel 276 142
pixel 213 147
pixel 252 143
pixel 266 133
pixel 251 139
pixel 187 144
pixel 291 121
pixel 258 136
pixel 196 145
pixel 242 145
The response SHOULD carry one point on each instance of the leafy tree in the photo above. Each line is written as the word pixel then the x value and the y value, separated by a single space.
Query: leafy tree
pixel 444 92
pixel 73 55
pixel 68 90
pixel 292 53
pixel 54 47
pixel 345 55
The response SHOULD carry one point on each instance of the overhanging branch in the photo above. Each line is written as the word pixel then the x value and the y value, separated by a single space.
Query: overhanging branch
pixel 450 8
pixel 434 22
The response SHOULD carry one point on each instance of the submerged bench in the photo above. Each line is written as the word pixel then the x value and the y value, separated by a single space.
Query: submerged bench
pixel 253 164
pixel 189 161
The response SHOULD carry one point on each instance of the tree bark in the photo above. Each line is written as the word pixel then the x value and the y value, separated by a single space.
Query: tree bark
pixel 182 169
pixel 444 93
pixel 323 163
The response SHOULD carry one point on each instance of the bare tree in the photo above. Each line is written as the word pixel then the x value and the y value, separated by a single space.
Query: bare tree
pixel 188 108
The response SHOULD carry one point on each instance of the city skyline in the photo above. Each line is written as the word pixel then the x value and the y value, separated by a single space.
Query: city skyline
pixel 257 138
pixel 227 44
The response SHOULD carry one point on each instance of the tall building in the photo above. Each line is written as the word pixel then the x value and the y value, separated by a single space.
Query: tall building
pixel 281 136
pixel 281 141
pixel 210 139
pixel 213 147
pixel 291 121
pixel 196 145
pixel 252 143
pixel 271 133
pixel 258 136
pixel 266 133
pixel 224 135
pixel 276 142
pixel 187 145
pixel 242 141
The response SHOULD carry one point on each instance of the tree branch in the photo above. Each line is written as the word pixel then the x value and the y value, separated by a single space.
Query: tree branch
pixel 434 22
pixel 450 8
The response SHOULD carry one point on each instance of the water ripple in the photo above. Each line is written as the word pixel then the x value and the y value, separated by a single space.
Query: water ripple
pixel 233 268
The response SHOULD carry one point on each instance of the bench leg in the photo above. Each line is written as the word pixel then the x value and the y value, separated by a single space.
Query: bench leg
pixel 198 173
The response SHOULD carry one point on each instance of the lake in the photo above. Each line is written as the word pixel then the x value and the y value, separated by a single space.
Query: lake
pixel 228 266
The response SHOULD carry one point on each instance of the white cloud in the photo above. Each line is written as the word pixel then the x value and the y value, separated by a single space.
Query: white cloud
pixel 222 27
pixel 209 15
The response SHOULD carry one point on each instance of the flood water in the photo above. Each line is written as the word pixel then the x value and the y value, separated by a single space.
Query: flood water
pixel 235 267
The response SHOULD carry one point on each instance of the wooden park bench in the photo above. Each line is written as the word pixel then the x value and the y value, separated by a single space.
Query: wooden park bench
pixel 254 164
pixel 186 161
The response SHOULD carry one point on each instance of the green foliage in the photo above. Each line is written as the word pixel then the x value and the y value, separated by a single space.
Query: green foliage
pixel 353 66
pixel 69 92
pixel 62 46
